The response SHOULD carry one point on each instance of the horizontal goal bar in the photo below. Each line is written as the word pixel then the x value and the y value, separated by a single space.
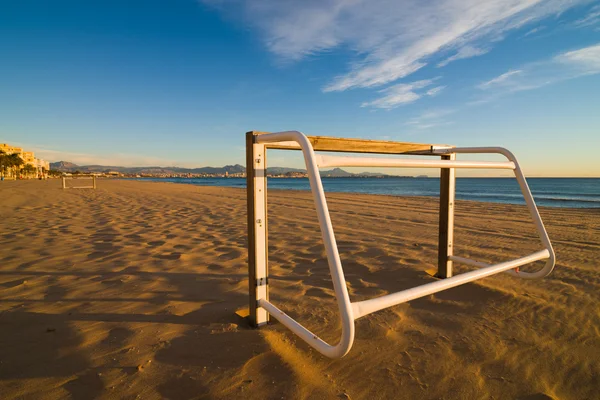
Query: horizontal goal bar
pixel 362 308
pixel 336 161
pixel 343 145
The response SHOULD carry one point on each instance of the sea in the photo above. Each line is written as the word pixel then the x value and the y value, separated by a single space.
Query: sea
pixel 549 192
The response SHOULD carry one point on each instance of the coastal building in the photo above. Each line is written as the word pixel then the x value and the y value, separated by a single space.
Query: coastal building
pixel 10 149
pixel 42 166
pixel 28 157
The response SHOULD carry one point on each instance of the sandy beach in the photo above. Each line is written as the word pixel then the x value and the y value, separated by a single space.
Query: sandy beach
pixel 131 291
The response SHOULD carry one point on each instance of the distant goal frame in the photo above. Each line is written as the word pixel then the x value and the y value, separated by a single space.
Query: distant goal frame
pixel 77 177
pixel 257 144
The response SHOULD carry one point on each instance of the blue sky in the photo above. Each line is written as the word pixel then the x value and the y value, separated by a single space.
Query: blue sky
pixel 178 82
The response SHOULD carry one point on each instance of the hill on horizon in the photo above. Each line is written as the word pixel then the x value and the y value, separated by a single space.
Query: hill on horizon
pixel 66 166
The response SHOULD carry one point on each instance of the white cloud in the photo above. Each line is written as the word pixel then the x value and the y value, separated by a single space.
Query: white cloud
pixel 374 75
pixel 431 118
pixel 391 39
pixel 435 91
pixel 567 65
pixel 592 18
pixel 500 80
pixel 434 114
pixel 403 93
pixel 585 60
pixel 534 30
pixel 462 53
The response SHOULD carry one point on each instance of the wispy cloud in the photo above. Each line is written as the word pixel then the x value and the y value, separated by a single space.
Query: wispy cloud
pixel 500 80
pixel 564 66
pixel 464 52
pixel 435 91
pixel 593 18
pixel 431 118
pixel 584 61
pixel 534 30
pixel 404 93
pixel 390 39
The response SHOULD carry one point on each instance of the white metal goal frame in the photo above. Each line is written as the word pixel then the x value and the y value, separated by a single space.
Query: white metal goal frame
pixel 261 308
pixel 82 177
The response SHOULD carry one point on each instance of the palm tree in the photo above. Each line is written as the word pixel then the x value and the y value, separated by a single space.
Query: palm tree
pixel 15 162
pixel 2 163
pixel 29 169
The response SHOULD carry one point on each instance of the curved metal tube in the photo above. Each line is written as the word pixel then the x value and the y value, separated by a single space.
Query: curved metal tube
pixel 533 211
pixel 333 257
pixel 362 308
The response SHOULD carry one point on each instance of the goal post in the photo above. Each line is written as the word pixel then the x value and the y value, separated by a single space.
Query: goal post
pixel 256 183
pixel 74 178
pixel 446 219
pixel 257 144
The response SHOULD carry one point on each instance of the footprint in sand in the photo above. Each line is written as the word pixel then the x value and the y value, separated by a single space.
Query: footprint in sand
pixel 168 256
pixel 231 255
pixel 317 292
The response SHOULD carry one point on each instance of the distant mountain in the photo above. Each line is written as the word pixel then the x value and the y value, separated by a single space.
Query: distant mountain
pixel 232 169
pixel 332 173
pixel 282 170
pixel 63 166
pixel 336 173
pixel 371 174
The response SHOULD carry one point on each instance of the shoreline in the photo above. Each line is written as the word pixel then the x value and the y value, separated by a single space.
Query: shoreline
pixel 400 195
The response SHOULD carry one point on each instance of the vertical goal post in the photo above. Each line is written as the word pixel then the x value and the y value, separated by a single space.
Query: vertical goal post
pixel 256 183
pixel 257 144
pixel 446 219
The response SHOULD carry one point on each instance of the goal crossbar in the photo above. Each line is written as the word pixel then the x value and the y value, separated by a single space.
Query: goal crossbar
pixel 260 306
pixel 333 161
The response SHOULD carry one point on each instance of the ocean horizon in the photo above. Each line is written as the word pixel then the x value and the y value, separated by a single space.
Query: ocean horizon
pixel 547 192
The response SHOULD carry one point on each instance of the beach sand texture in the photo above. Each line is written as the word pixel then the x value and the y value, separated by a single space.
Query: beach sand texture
pixel 131 290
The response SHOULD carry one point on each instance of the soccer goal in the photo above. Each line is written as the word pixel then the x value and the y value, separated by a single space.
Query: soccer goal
pixel 79 182
pixel 261 308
